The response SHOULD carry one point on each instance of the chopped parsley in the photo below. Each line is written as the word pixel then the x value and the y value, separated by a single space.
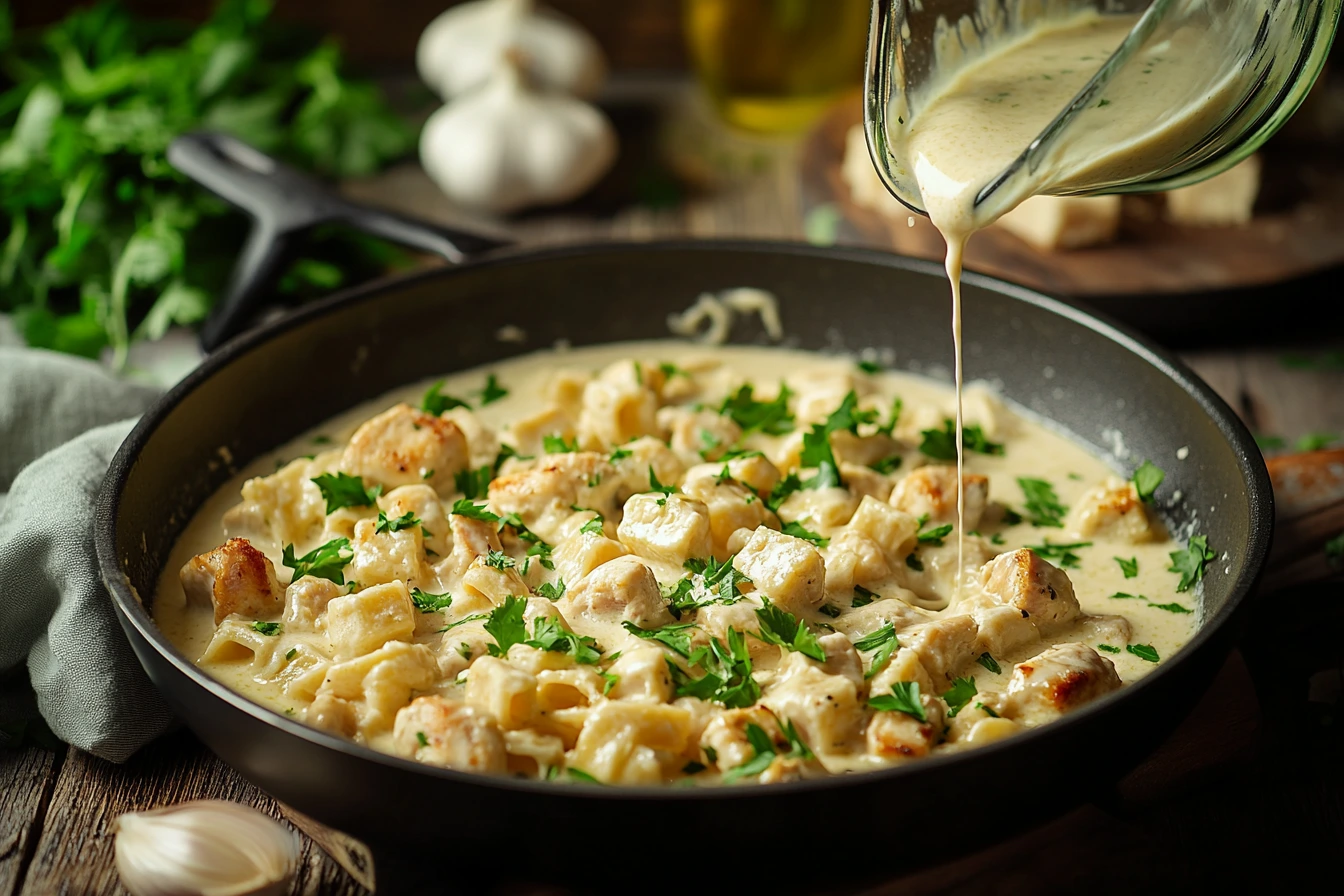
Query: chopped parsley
pixel 421 739
pixel 475 483
pixel 1108 648
pixel 887 464
pixel 941 444
pixel 507 626
pixel 914 563
pixel 783 629
pixel 863 597
pixel 500 561
pixel 463 621
pixel 960 694
pixel 1064 553
pixel 1190 563
pixel 542 551
pixel 1171 608
pixel 556 444
pixel 407 520
pixel 619 454
pixel 780 493
pixel 1146 480
pixel 722 579
pixel 986 710
pixel 473 511
pixel 830 610
pixel 935 535
pixel 765 752
pixel 1143 652
pixel 727 677
pixel 1120 595
pixel 343 490
pixel 435 402
pixel 870 367
pixel 493 391
pixel 464 649
pixel 1042 504
pixel 593 527
pixel 797 530
pixel 430 603
pixel 883 642
pixel 817 451
pixel 578 774
pixel 904 697
pixel 291 653
pixel 670 370
pixel 656 486
pixel 769 417
pixel 676 637
pixel 552 592
pixel 266 628
pixel 610 680
pixel 324 562
pixel 1129 567
pixel 989 663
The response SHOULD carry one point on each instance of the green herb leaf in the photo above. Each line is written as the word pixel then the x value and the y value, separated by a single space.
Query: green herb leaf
pixel 904 697
pixel 914 563
pixel 581 776
pixel 941 444
pixel 548 633
pixel 430 603
pixel 863 597
pixel 325 562
pixel 475 483
pixel 1170 608
pixel 1334 549
pixel 505 624
pixel 421 739
pixel 435 402
pixel 1143 652
pixel 887 464
pixel 552 592
pixel 343 490
pixel 783 629
pixel 1042 504
pixel 934 536
pixel 785 487
pixel 961 692
pixel 557 444
pixel 1146 480
pixel 407 520
pixel 769 417
pixel 656 486
pixel 493 391
pixel 986 710
pixel 473 511
pixel 884 642
pixel 1108 648
pixel 1191 562
pixel 266 628
pixel 869 367
pixel 989 663
pixel 727 678
pixel 1129 567
pixel 500 561
pixel 474 617
pixel 1064 553
pixel 797 530
pixel 677 637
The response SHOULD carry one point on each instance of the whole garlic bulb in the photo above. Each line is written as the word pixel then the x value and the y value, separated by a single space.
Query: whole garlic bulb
pixel 461 49
pixel 206 847
pixel 505 146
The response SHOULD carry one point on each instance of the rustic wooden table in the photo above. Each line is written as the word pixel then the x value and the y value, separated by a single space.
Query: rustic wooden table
pixel 1252 788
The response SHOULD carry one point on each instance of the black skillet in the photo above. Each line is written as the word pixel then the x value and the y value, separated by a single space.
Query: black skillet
pixel 436 828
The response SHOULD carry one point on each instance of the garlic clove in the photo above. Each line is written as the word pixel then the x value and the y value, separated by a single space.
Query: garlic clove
pixel 461 49
pixel 204 848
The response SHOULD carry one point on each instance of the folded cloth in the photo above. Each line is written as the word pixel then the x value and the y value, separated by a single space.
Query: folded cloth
pixel 61 420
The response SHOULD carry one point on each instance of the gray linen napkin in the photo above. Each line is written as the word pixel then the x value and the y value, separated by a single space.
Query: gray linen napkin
pixel 62 652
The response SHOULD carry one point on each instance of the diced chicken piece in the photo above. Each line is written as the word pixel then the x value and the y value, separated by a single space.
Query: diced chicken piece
pixel 932 490
pixel 904 665
pixel 630 475
pixel 1038 590
pixel 284 508
pixel 731 506
pixel 543 495
pixel 725 737
pixel 623 589
pixel 863 451
pixel 423 502
pixel 1222 201
pixel 699 434
pixel 824 708
pixel 895 734
pixel 1111 511
pixel 481 439
pixel 865 483
pixel 383 556
pixel 235 578
pixel 944 646
pixel 853 558
pixel 892 530
pixel 755 472
pixel 1057 680
pixel 1003 631
pixel 666 528
pixel 507 693
pixel 841 658
pixel 717 619
pixel 471 539
pixel 405 446
pixel 825 508
pixel 789 570
pixel 529 433
pixel 450 734
pixel 1113 630
pixel 641 675
pixel 306 600
pixel 1064 222
pixel 361 623
pixel 580 554
pixel 614 413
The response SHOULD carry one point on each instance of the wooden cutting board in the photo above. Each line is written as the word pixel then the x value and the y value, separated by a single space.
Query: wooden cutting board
pixel 1298 230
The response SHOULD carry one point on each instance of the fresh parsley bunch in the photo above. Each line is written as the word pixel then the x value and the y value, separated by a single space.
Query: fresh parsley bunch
pixel 101 241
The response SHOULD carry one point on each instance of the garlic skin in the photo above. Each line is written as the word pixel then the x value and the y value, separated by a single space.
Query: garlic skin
pixel 204 848
pixel 506 146
pixel 462 48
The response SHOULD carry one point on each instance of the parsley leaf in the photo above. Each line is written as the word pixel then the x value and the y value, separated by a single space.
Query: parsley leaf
pixel 817 442
pixel 610 680
pixel 435 402
pixel 619 454
pixel 785 487
pixel 961 692
pixel 870 367
pixel 989 663
pixel 797 530
pixel 1064 553
pixel 783 629
pixel 1171 608
pixel 548 633
pixel 941 444
pixel 557 444
pixel 770 417
pixel 493 391
pixel 324 562
pixel 670 370
pixel 884 642
pixel 430 603
pixel 1129 567
pixel 472 511
pixel 934 536
pixel 421 739
pixel 677 637
pixel 904 697
pixel 722 579
pixel 500 561
pixel 1042 504
pixel 343 490
pixel 863 597
pixel 986 710
pixel 506 625
pixel 1146 480
pixel 1190 563
pixel 765 752
pixel 266 628
pixel 552 592
pixel 582 776
pixel 656 486
pixel 914 563
pixel 1108 648
pixel 407 520
pixel 887 464
pixel 1143 652
pixel 463 621
pixel 727 678
pixel 475 483
pixel 1334 549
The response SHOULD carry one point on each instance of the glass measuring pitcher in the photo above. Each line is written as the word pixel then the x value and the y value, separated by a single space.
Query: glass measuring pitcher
pixel 1258 60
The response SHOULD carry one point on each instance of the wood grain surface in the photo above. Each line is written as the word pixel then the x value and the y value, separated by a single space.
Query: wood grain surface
pixel 1251 785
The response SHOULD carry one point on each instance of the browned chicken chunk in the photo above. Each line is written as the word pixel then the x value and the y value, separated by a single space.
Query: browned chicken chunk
pixel 1042 592
pixel 1057 680
pixel 404 446
pixel 932 490
pixel 236 578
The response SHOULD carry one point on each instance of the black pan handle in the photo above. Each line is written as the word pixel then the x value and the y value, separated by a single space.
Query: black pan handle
pixel 284 204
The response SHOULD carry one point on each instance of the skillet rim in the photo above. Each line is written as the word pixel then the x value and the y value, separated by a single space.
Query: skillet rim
pixel 1247 454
